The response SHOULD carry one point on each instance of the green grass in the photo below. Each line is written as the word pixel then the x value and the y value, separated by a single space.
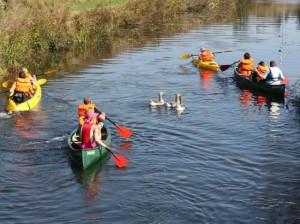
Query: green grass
pixel 91 4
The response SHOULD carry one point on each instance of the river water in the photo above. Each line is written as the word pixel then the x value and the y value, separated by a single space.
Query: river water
pixel 230 157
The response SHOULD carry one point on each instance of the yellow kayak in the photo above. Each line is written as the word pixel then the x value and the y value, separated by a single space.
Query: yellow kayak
pixel 29 104
pixel 206 65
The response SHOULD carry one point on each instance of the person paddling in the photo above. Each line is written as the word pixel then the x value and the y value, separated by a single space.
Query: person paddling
pixel 90 133
pixel 206 55
pixel 246 66
pixel 275 75
pixel 89 106
pixel 29 76
pixel 260 72
pixel 21 89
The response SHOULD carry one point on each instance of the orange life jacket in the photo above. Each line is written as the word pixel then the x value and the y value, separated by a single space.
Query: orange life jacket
pixel 246 66
pixel 82 108
pixel 23 85
pixel 262 69
pixel 206 55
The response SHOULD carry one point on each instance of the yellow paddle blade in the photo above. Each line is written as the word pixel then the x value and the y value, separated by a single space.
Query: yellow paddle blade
pixel 185 56
pixel 42 81
pixel 7 84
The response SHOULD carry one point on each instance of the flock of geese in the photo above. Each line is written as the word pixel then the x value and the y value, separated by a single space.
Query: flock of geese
pixel 177 103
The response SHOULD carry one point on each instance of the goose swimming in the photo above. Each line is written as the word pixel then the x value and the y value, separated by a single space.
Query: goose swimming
pixel 180 107
pixel 174 103
pixel 159 102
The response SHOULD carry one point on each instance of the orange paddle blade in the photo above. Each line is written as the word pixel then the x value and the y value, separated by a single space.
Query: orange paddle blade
pixel 124 132
pixel 285 80
pixel 120 161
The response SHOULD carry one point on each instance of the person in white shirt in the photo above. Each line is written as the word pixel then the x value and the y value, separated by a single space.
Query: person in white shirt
pixel 275 76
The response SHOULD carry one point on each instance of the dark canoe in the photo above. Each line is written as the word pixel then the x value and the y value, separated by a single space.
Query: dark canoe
pixel 88 157
pixel 271 90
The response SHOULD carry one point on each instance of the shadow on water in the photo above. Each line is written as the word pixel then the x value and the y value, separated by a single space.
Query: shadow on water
pixel 90 178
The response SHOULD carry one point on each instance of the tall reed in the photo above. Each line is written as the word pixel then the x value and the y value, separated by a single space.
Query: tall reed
pixel 33 29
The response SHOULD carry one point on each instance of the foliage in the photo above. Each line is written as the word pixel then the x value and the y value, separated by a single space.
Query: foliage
pixel 33 29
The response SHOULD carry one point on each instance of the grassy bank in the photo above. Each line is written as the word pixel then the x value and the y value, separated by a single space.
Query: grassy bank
pixel 32 31
pixel 92 4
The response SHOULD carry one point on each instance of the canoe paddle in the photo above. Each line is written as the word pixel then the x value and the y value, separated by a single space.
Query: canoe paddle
pixel 225 67
pixel 120 161
pixel 123 131
pixel 40 82
pixel 8 83
pixel 186 56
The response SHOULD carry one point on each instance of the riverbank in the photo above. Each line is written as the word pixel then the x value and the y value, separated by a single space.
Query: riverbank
pixel 53 29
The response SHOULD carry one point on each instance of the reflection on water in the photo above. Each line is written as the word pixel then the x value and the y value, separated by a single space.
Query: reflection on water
pixel 231 157
pixel 261 101
pixel 246 97
pixel 274 109
pixel 125 146
pixel 25 124
pixel 90 178
pixel 250 99
pixel 206 79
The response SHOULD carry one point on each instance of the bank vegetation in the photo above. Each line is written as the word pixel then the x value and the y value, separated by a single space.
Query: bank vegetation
pixel 32 31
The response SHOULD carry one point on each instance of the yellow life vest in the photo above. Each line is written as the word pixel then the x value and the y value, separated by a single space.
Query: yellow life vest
pixel 23 85
pixel 82 108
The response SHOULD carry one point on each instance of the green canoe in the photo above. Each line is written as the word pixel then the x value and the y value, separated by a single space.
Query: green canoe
pixel 87 157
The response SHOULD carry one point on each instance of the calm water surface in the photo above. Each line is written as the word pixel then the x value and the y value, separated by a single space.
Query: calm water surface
pixel 230 157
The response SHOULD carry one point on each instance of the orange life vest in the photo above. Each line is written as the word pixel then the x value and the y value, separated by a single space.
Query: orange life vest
pixel 206 55
pixel 246 66
pixel 82 108
pixel 262 69
pixel 23 85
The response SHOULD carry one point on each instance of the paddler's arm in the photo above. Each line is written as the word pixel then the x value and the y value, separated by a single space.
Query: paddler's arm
pixel 101 115
pixel 12 89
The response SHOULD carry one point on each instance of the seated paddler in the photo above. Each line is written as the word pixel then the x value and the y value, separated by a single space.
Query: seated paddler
pixel 89 106
pixel 246 66
pixel 206 55
pixel 21 89
pixel 90 133
pixel 29 76
pixel 275 75
pixel 260 72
